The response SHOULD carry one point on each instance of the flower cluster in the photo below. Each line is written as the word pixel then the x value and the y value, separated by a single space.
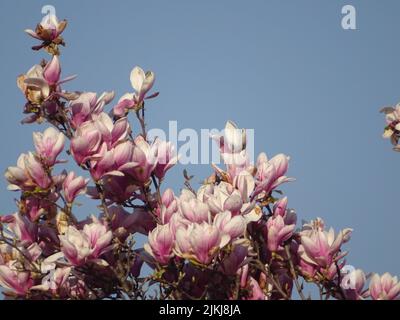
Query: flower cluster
pixel 233 238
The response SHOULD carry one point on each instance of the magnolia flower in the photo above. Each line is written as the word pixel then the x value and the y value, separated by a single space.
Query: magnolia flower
pixel 144 158
pixel 160 244
pixel 234 227
pixel 14 279
pixel 40 84
pixel 169 206
pixel 385 287
pixel 277 232
pixel 142 82
pixel 194 210
pixel 353 284
pixel 111 133
pixel 85 143
pixel 24 230
pixel 88 105
pixel 220 198
pixel 233 139
pixel 321 247
pixel 271 173
pixel 80 246
pixel 49 29
pixel 73 186
pixel 103 164
pixel 34 86
pixel 52 71
pixel 28 174
pixel 205 241
pixel 48 145
pixel 166 158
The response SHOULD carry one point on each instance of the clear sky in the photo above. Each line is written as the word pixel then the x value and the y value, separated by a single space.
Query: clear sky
pixel 284 68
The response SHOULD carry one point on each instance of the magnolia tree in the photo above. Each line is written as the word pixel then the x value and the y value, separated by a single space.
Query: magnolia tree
pixel 233 238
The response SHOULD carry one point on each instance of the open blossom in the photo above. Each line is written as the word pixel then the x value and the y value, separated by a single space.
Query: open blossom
pixel 321 247
pixel 142 82
pixel 200 242
pixel 271 173
pixel 28 174
pixel 221 197
pixel 111 133
pixel 49 29
pixel 88 105
pixel 14 280
pixel 385 287
pixel 85 143
pixel 79 246
pixel 25 230
pixel 225 197
pixel 95 139
pixel 73 186
pixel 161 243
pixel 40 83
pixel 34 86
pixel 194 210
pixel 144 157
pixel 353 285
pixel 234 227
pixel 48 145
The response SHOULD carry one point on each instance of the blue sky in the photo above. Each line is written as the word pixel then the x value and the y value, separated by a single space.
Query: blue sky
pixel 283 68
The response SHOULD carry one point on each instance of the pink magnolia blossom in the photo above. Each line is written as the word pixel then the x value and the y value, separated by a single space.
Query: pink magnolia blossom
pixel 353 285
pixel 166 158
pixel 278 232
pixel 321 247
pixel 194 210
pixel 28 174
pixel 52 71
pixel 25 230
pixel 49 145
pixel 73 186
pixel 384 287
pixel 85 143
pixel 80 246
pixel 160 245
pixel 205 241
pixel 169 206
pixel 88 105
pixel 144 160
pixel 271 173
pixel 141 82
pixel 234 227
pixel 14 280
